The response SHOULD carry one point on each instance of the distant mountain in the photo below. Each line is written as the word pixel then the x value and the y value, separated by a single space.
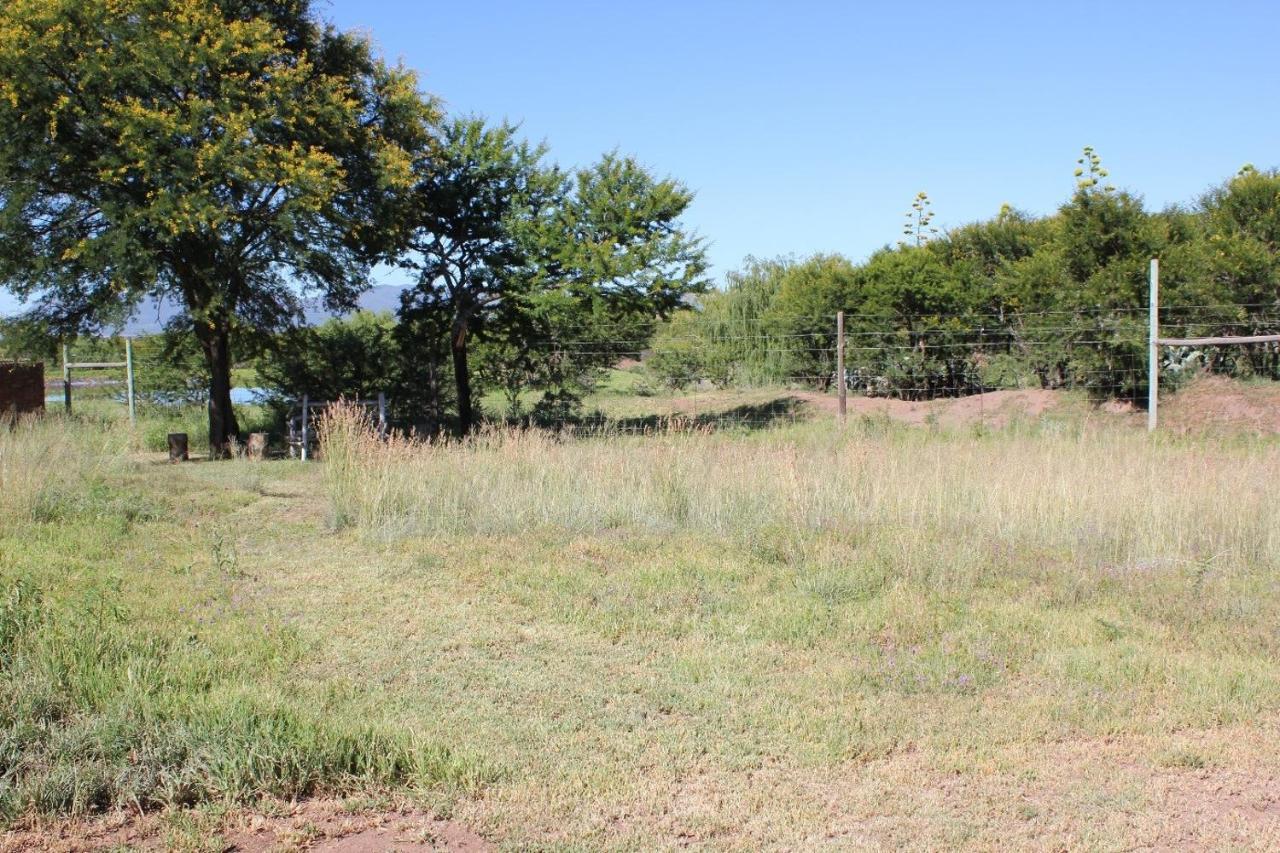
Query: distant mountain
pixel 152 315
pixel 381 298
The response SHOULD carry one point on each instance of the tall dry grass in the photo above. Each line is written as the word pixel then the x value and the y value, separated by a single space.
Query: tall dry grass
pixel 1109 494
pixel 42 460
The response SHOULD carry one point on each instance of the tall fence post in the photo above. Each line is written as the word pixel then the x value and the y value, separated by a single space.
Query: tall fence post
pixel 128 371
pixel 1153 348
pixel 843 390
pixel 382 414
pixel 66 379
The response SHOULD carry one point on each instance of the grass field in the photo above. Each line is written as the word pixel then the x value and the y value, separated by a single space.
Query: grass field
pixel 1053 635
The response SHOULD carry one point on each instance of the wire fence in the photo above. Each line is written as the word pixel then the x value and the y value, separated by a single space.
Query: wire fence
pixel 763 372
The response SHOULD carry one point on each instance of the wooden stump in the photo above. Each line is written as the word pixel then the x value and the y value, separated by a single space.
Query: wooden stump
pixel 256 449
pixel 178 447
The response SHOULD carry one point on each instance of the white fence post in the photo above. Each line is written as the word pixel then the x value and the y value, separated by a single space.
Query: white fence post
pixel 843 389
pixel 1153 348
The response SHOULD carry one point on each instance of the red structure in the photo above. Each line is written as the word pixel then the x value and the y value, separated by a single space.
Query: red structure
pixel 21 388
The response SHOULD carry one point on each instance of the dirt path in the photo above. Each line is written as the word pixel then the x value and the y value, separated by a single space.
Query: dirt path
pixel 1209 404
pixel 324 826
pixel 1218 404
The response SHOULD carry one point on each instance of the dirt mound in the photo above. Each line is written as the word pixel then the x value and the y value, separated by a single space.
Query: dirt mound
pixel 1213 404
pixel 994 408
pixel 317 825
pixel 1218 404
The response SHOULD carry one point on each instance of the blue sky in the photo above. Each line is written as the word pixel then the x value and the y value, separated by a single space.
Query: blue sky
pixel 809 126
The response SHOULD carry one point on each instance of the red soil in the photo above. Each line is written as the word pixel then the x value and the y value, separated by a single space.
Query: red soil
pixel 316 825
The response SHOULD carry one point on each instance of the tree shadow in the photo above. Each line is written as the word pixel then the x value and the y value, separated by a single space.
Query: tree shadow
pixel 780 411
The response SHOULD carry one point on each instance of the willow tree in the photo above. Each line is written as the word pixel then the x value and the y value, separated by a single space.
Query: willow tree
pixel 227 155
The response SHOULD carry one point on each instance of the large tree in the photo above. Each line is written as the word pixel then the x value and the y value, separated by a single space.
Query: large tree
pixel 555 272
pixel 228 155
pixel 602 265
pixel 475 197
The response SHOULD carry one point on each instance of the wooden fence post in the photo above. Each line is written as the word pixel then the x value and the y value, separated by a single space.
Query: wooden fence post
pixel 178 447
pixel 305 412
pixel 128 369
pixel 66 379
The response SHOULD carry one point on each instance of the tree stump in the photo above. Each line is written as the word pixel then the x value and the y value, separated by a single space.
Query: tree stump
pixel 178 447
pixel 256 449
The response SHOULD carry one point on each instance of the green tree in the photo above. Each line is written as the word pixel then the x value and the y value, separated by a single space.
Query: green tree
pixel 681 351
pixel 228 154
pixel 344 357
pixel 556 275
pixel 1014 300
pixel 472 204
pixel 1241 221
pixel 609 260
pixel 726 339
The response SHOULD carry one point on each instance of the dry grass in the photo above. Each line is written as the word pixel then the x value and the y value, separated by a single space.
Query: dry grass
pixel 136 670
pixel 39 464
pixel 1106 495
pixel 1053 637
pixel 736 640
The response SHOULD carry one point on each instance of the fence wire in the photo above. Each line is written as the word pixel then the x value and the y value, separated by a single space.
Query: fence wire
pixel 752 376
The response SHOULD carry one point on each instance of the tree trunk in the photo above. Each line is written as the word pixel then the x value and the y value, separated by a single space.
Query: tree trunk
pixel 462 376
pixel 214 341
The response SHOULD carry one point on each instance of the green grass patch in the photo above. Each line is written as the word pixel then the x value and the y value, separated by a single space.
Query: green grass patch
pixel 138 669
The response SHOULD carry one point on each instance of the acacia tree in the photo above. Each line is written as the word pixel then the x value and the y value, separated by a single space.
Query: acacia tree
pixel 228 155
pixel 545 267
pixel 474 198
pixel 603 264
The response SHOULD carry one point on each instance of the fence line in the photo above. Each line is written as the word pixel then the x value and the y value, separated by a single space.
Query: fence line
pixel 1102 351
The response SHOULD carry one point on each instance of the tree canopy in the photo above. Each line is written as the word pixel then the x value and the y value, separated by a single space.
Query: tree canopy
pixel 226 154
pixel 1052 301
pixel 555 275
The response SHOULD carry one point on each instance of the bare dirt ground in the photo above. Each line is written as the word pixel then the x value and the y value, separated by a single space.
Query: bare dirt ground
pixel 1218 404
pixel 324 826
pixel 1209 404
pixel 1219 788
pixel 994 408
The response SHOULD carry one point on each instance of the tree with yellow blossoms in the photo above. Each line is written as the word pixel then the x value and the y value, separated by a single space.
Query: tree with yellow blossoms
pixel 228 155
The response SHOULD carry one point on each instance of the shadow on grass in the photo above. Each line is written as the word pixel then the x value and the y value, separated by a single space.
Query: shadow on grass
pixel 755 416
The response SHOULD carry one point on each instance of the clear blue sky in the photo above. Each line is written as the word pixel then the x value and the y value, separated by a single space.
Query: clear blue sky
pixel 809 126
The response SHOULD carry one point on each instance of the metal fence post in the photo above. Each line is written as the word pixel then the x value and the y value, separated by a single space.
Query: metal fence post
pixel 66 379
pixel 840 377
pixel 128 369
pixel 1153 348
